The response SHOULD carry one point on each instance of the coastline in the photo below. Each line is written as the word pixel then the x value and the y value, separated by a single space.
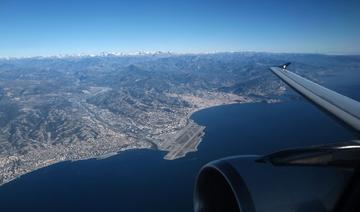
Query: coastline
pixel 106 155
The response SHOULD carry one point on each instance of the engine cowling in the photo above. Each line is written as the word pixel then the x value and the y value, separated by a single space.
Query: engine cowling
pixel 245 184
pixel 219 187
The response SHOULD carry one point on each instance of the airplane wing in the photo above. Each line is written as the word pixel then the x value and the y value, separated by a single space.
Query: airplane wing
pixel 342 107
pixel 238 183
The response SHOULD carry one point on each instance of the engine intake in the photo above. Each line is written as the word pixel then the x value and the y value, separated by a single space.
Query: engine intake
pixel 219 188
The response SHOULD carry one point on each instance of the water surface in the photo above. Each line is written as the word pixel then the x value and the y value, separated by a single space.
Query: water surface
pixel 141 180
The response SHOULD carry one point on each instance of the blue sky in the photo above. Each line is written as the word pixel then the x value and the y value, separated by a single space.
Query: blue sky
pixel 39 27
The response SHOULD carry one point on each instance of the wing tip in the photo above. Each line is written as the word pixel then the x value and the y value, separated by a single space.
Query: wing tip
pixel 284 66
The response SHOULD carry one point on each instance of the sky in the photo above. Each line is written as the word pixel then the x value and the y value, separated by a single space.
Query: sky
pixel 53 27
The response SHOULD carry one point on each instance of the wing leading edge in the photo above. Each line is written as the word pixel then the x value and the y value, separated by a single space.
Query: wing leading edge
pixel 342 107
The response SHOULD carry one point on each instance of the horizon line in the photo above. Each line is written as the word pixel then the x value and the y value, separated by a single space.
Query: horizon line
pixel 172 53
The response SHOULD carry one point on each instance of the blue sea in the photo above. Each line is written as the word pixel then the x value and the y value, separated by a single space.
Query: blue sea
pixel 141 180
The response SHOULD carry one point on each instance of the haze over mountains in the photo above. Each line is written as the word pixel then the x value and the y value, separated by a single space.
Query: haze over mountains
pixel 76 107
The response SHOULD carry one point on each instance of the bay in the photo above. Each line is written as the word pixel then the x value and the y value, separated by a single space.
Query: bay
pixel 141 180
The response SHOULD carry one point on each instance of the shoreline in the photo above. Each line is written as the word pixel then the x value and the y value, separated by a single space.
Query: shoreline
pixel 111 154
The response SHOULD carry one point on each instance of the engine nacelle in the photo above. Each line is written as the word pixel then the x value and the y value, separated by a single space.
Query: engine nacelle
pixel 244 184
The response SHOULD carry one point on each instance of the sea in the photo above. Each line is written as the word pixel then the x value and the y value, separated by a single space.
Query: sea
pixel 142 181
